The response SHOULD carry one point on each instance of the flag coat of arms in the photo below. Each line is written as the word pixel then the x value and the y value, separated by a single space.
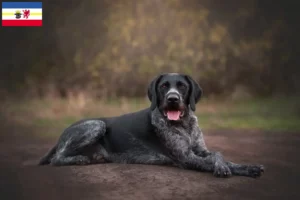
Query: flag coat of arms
pixel 22 14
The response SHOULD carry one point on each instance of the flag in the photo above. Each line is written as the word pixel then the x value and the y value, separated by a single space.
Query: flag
pixel 22 14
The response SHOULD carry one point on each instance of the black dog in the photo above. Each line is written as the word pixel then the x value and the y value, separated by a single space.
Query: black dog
pixel 167 133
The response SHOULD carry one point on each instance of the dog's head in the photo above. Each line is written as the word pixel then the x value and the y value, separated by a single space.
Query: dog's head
pixel 173 94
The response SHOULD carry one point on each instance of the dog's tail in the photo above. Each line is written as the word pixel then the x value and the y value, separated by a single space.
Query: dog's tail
pixel 46 159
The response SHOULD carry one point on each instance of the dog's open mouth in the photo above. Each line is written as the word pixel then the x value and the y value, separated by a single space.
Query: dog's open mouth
pixel 173 115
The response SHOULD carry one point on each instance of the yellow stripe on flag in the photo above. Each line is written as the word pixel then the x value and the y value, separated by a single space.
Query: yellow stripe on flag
pixel 13 14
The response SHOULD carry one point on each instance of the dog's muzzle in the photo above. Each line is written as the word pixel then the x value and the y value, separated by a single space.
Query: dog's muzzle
pixel 173 110
pixel 173 98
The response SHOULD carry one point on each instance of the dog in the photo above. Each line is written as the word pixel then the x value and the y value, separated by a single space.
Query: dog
pixel 166 133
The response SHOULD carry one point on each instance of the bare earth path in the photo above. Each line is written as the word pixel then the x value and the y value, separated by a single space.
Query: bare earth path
pixel 20 178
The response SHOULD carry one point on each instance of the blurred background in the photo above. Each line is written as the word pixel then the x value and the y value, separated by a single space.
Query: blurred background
pixel 96 58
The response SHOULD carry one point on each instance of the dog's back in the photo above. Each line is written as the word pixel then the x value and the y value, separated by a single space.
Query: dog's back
pixel 129 131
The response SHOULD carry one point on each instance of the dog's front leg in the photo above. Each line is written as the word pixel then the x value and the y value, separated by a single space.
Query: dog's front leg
pixel 200 149
pixel 235 169
pixel 246 170
pixel 180 151
pixel 220 167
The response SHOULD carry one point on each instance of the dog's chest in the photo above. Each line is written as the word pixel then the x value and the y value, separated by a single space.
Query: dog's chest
pixel 175 135
pixel 183 133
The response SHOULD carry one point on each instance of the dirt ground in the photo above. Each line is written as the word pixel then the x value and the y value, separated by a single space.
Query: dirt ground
pixel 21 178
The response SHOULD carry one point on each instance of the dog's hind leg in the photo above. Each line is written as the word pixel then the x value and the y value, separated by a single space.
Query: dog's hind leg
pixel 99 155
pixel 70 160
pixel 45 160
pixel 76 141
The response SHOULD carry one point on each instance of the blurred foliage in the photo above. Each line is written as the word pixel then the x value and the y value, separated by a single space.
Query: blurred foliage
pixel 114 48
pixel 52 116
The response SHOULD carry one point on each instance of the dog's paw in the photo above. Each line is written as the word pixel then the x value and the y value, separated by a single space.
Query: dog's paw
pixel 255 170
pixel 222 170
pixel 98 158
pixel 82 160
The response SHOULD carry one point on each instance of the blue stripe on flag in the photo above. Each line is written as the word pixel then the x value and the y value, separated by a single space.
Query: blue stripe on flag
pixel 22 5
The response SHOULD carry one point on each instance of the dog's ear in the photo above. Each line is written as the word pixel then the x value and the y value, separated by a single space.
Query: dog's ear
pixel 195 92
pixel 152 92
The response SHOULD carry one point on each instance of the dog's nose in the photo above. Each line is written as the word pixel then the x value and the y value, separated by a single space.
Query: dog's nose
pixel 173 98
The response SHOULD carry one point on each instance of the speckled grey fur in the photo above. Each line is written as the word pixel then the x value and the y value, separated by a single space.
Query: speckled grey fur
pixel 147 137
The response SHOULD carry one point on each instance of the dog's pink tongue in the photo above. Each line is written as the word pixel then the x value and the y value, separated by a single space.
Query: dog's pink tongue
pixel 173 115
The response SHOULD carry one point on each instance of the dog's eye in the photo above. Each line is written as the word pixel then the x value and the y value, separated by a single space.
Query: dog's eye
pixel 181 86
pixel 165 85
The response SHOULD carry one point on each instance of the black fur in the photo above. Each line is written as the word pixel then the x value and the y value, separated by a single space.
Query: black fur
pixel 152 94
pixel 149 136
pixel 195 93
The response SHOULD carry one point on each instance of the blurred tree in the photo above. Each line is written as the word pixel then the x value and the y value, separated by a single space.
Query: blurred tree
pixel 114 48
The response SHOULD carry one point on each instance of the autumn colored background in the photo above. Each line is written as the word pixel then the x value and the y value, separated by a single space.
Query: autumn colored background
pixel 95 58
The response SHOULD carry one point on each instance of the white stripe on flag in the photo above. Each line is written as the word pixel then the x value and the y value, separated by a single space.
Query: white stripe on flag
pixel 14 17
pixel 13 10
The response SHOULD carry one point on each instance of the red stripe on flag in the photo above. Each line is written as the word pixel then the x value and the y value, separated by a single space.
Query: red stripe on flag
pixel 22 22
